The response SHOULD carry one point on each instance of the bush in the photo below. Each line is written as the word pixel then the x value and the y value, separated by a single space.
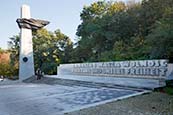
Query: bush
pixel 169 83
pixel 8 71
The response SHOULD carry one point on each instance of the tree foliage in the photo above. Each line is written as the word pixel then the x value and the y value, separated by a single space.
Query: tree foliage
pixel 6 69
pixel 13 45
pixel 119 31
pixel 50 49
pixel 161 37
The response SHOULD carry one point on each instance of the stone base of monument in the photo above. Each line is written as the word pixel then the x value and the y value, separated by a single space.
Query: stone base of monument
pixel 118 81
pixel 145 74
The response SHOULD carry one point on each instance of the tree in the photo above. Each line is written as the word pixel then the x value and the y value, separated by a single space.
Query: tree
pixel 119 31
pixel 1 50
pixel 65 46
pixel 14 45
pixel 6 69
pixel 160 39
pixel 49 49
pixel 103 24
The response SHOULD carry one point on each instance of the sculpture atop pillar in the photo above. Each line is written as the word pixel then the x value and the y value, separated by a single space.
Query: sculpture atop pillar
pixel 31 23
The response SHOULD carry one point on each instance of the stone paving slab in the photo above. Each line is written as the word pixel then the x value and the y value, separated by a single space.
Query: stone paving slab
pixel 41 99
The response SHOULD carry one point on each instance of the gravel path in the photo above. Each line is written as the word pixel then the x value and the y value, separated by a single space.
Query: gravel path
pixel 154 103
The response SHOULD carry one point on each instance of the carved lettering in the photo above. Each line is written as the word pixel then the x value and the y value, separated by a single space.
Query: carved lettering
pixel 140 68
pixel 151 63
pixel 163 63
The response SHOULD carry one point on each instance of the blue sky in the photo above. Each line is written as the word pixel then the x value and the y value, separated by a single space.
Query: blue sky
pixel 62 14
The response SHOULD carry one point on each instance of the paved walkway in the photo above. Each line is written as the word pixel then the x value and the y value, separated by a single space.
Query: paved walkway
pixel 42 99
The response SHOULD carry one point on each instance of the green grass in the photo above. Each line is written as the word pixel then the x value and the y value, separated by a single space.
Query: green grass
pixel 169 87
pixel 168 90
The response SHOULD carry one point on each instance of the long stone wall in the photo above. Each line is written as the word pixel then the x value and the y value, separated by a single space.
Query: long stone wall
pixel 141 69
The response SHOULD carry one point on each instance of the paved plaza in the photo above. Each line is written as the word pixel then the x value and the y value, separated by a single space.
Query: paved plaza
pixel 42 99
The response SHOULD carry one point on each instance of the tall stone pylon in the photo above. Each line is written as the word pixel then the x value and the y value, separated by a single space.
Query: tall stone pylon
pixel 26 25
pixel 26 65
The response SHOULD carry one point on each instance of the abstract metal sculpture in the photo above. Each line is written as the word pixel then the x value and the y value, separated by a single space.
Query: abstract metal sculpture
pixel 31 23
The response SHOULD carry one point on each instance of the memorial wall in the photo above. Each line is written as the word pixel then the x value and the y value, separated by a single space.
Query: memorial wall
pixel 141 68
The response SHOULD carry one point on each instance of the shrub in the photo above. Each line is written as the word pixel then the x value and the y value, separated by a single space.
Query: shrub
pixel 8 71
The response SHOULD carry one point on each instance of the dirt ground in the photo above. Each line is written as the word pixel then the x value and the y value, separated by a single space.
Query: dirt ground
pixel 154 103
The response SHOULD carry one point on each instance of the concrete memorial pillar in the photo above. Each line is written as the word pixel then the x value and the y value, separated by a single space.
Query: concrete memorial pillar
pixel 26 25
